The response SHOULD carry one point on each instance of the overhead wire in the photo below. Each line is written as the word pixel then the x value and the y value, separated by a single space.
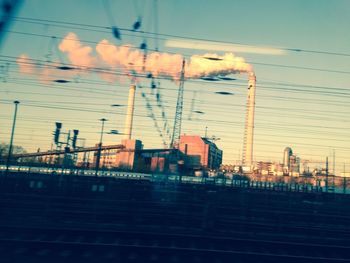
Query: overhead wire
pixel 155 34
pixel 325 90
pixel 112 112
pixel 41 63
pixel 188 55
pixel 262 107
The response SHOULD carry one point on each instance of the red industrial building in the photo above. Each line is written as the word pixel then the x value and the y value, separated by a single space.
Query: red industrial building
pixel 194 153
pixel 200 152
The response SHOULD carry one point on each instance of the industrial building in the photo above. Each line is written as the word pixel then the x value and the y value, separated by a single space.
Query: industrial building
pixel 188 153
pixel 194 153
pixel 124 159
pixel 269 168
pixel 291 163
pixel 200 152
pixel 289 167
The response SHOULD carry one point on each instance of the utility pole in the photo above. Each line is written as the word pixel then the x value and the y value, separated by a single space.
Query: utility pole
pixel 16 102
pixel 98 155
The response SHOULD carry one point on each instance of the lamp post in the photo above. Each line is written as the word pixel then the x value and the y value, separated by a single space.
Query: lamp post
pixel 98 156
pixel 16 102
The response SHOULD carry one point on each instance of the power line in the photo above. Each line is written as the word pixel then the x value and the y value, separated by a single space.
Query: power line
pixel 145 127
pixel 156 35
pixel 266 109
pixel 78 89
pixel 303 100
pixel 270 142
pixel 251 62
pixel 259 126
pixel 310 88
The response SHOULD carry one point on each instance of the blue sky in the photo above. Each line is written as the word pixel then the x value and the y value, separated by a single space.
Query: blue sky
pixel 306 109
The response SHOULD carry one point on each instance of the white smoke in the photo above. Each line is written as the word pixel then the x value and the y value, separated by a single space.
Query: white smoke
pixel 214 65
pixel 78 54
pixel 134 62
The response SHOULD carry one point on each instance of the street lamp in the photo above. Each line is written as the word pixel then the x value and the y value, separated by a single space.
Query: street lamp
pixel 98 156
pixel 16 102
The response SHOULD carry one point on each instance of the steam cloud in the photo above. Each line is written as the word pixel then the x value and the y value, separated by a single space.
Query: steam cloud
pixel 135 62
pixel 78 54
pixel 25 65
pixel 130 59
pixel 200 66
pixel 45 72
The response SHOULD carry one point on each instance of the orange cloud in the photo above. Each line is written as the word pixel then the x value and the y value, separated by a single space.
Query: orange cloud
pixel 78 54
pixel 26 66
pixel 132 62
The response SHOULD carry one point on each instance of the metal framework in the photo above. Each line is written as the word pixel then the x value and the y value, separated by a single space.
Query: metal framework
pixel 178 113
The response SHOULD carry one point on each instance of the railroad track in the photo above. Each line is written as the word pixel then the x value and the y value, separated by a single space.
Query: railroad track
pixel 132 221
pixel 41 243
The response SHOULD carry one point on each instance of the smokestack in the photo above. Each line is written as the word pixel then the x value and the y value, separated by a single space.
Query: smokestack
pixel 130 113
pixel 249 122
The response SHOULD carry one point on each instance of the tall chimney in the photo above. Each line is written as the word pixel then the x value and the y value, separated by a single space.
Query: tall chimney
pixel 129 113
pixel 249 122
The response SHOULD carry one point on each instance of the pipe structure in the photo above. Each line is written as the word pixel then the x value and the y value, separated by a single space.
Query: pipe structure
pixel 249 122
pixel 130 113
pixel 76 150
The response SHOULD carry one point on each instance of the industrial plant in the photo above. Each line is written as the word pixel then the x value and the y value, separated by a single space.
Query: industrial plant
pixel 187 154
pixel 105 155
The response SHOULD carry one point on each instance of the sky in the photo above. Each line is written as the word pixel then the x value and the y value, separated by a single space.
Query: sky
pixel 299 51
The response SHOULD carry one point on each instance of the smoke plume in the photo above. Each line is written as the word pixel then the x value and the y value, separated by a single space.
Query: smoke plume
pixel 78 54
pixel 214 65
pixel 25 65
pixel 46 72
pixel 170 65
pixel 128 60
pixel 131 60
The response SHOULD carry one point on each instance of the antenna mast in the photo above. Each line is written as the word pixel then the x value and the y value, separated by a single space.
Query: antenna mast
pixel 178 114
